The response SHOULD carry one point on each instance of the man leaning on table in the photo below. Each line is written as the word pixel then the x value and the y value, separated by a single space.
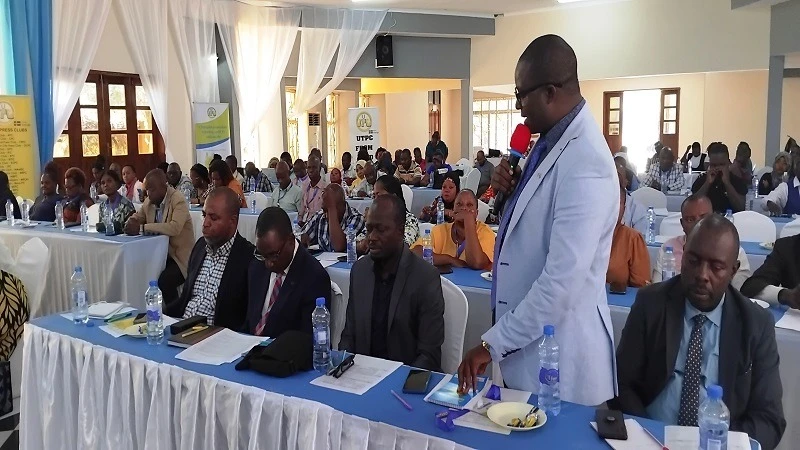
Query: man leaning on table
pixel 777 281
pixel 552 250
pixel 216 282
pixel 166 212
pixel 694 209
pixel 396 307
pixel 696 330
pixel 284 280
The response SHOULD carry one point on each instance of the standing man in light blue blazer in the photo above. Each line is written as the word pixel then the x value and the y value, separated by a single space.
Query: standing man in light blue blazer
pixel 554 240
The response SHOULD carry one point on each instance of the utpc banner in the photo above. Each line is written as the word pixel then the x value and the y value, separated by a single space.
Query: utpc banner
pixel 17 154
pixel 365 134
pixel 212 130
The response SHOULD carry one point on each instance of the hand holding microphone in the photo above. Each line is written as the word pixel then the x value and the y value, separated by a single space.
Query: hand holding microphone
pixel 506 174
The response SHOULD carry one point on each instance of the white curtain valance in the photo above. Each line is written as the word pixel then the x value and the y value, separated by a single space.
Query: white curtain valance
pixel 192 23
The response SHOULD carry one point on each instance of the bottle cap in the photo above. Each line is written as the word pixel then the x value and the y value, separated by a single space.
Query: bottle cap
pixel 321 301
pixel 715 392
pixel 549 330
pixel 427 232
pixel 78 269
pixel 668 249
pixel 153 283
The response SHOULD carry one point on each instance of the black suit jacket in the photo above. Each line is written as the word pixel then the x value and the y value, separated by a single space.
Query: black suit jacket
pixel 415 329
pixel 304 284
pixel 748 358
pixel 781 268
pixel 232 292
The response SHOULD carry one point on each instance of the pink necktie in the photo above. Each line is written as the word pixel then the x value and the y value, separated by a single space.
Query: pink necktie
pixel 272 299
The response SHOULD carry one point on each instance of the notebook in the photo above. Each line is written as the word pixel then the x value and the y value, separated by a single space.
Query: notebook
pixel 193 335
pixel 446 393
pixel 105 310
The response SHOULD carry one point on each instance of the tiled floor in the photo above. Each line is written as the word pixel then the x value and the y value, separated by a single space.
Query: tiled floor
pixel 9 429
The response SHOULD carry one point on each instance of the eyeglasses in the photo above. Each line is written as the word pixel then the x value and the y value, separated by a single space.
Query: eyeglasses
pixel 271 257
pixel 522 94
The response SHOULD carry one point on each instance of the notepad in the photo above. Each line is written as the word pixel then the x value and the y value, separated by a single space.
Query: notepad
pixel 446 393
pixel 104 310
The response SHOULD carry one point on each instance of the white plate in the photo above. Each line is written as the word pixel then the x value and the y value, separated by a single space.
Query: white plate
pixel 760 303
pixel 138 330
pixel 767 245
pixel 502 413
pixel 487 276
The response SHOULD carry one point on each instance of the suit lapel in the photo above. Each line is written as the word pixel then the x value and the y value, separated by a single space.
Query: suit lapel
pixel 364 313
pixel 730 343
pixel 397 288
pixel 675 311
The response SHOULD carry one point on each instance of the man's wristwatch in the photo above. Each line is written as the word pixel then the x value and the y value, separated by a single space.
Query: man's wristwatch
pixel 486 346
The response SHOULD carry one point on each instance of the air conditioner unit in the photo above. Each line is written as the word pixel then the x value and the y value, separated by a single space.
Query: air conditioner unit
pixel 314 130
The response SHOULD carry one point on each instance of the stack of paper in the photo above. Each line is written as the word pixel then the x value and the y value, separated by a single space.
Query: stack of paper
pixel 790 320
pixel 117 329
pixel 223 347
pixel 688 438
pixel 328 259
pixel 105 310
pixel 363 376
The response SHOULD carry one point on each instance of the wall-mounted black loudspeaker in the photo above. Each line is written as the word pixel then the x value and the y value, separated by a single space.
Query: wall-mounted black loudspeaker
pixel 384 56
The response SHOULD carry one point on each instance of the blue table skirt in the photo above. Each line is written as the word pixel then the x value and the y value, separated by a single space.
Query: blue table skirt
pixel 570 429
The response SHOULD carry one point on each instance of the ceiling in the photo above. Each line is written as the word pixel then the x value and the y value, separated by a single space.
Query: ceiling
pixel 448 6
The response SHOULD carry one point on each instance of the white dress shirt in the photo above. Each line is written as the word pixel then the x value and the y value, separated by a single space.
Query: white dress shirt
pixel 780 196
pixel 273 276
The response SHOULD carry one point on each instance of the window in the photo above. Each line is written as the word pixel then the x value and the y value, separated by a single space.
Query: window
pixel 111 118
pixel 331 103
pixel 493 122
pixel 292 127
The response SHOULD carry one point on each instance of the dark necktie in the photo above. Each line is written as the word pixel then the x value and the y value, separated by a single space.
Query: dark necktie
pixel 690 391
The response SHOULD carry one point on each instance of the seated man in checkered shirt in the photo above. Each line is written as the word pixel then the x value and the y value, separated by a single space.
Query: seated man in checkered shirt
pixel 664 174
pixel 327 227
pixel 216 282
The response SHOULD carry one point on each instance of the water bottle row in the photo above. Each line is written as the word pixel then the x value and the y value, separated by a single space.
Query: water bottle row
pixel 651 224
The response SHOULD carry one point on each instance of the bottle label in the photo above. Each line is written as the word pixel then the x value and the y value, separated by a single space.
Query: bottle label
pixel 81 300
pixel 548 376
pixel 153 314
pixel 322 337
pixel 667 275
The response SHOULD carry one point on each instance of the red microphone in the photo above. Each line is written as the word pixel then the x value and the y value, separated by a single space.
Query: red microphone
pixel 520 141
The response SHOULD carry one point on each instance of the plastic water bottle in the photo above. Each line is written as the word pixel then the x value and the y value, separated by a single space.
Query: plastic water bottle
pixel 755 186
pixel 714 419
pixel 108 220
pixel 93 192
pixel 153 300
pixel 296 229
pixel 84 217
pixel 352 256
pixel 26 213
pixel 10 213
pixel 253 206
pixel 729 215
pixel 427 247
pixel 60 215
pixel 440 212
pixel 549 399
pixel 430 180
pixel 252 184
pixel 651 225
pixel 80 297
pixel 321 323
pixel 667 264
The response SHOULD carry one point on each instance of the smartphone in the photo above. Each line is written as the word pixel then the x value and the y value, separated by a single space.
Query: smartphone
pixel 417 381
pixel 445 269
pixel 611 424
pixel 618 288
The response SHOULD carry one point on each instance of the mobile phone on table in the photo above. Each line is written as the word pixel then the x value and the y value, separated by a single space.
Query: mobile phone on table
pixel 618 288
pixel 417 381
pixel 611 424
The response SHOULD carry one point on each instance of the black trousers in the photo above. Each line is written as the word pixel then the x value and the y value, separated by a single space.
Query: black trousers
pixel 169 281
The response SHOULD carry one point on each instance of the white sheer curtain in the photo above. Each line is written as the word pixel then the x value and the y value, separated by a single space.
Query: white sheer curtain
pixel 349 30
pixel 144 24
pixel 193 25
pixel 258 42
pixel 77 27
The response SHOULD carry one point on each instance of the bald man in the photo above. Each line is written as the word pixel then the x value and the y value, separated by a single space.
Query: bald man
pixel 327 227
pixel 552 249
pixel 166 212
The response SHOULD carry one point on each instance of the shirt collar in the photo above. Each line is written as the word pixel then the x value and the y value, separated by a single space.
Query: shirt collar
pixel 715 315
pixel 553 135
pixel 223 250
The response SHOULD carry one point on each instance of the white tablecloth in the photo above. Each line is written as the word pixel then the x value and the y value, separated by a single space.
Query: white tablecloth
pixel 247 223
pixel 117 268
pixel 83 396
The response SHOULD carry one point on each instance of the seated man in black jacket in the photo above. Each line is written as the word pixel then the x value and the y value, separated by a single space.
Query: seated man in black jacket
pixel 777 281
pixel 216 282
pixel 694 331
pixel 284 280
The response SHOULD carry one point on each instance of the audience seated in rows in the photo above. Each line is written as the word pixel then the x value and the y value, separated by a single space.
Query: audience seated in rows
pixel 390 185
pixel 724 190
pixel 233 165
pixel 7 195
pixel 396 307
pixel 201 184
pixel 166 212
pixel 437 169
pixel 419 159
pixel 216 280
pixel 76 195
pixel 629 262
pixel 273 162
pixel 255 180
pixel 696 330
pixel 694 159
pixel 450 188
pixel 664 175
pixel 385 165
pixel 43 208
pixel 435 145
pixel 770 180
pixel 785 199
pixel 360 164
pixel 486 169
pixel 335 177
pixel 220 175
pixel 287 158
pixel 287 195
pixel 327 227
pixel 179 181
pixel 132 187
pixel 777 281
pixel 312 191
pixel 465 242
pixel 408 171
pixel 98 169
pixel 348 171
pixel 120 208
pixel 367 186
pixel 742 166
pixel 693 210
pixel 284 280
pixel 317 153
pixel 299 173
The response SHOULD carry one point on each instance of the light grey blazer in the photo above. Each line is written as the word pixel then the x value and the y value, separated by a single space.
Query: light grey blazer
pixel 552 269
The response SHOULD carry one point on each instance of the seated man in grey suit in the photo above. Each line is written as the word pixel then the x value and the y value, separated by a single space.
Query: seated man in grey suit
pixel 699 313
pixel 395 309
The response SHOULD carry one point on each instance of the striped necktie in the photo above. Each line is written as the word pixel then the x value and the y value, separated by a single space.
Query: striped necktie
pixel 276 288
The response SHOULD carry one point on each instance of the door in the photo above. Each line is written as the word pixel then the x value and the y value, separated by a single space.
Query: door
pixel 612 120
pixel 670 113
pixel 111 118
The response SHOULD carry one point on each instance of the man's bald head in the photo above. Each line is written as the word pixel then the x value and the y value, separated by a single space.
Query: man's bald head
pixel 156 176
pixel 155 183
pixel 230 200
pixel 551 60
pixel 282 174
pixel 710 260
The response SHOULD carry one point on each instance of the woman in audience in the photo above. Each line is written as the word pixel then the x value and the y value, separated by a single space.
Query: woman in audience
pixel 44 207
pixel 419 159
pixel 385 165
pixel 464 243
pixel 221 175
pixel 98 169
pixel 770 181
pixel 450 187
pixel 75 185
pixel 273 163
pixel 7 195
pixel 335 177
pixel 134 189
pixel 52 168
pixel 629 263
pixel 360 164
pixel 201 184
pixel 118 206
pixel 390 185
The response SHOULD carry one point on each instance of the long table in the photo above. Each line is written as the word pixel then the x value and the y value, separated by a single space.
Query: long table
pixel 479 320
pixel 94 391
pixel 756 255
pixel 247 222
pixel 123 265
